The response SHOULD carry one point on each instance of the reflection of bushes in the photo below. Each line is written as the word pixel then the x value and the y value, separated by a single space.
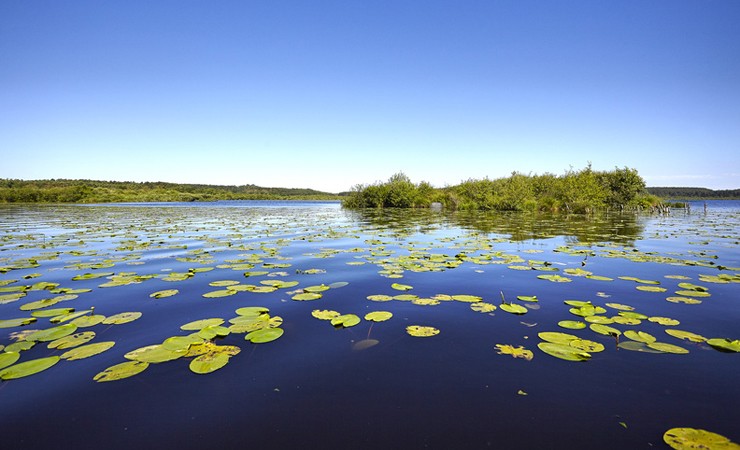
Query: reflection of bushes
pixel 580 191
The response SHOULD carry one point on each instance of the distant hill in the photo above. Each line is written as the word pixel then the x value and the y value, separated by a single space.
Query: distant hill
pixel 694 193
pixel 92 191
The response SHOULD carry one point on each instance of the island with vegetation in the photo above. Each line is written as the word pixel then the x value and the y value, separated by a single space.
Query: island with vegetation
pixel 580 191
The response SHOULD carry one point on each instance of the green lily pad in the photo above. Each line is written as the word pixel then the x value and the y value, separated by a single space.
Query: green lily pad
pixel 685 300
pixel 686 335
pixel 165 293
pixel 8 359
pixel 51 312
pixel 639 336
pixel 557 337
pixel 252 311
pixel 380 298
pixel 637 347
pixel 604 329
pixel 527 298
pixel 724 344
pixel 693 294
pixel 555 278
pixel 587 345
pixel 209 362
pixel 53 333
pixel 599 278
pixel 307 296
pixel 345 321
pixel 599 319
pixel 87 351
pixel 121 371
pixel 626 320
pixel 667 348
pixel 467 298
pixel 651 288
pixel 27 368
pixel 664 321
pixel 572 324
pixel 620 306
pixel 154 354
pixel 513 308
pixel 316 289
pixel 73 340
pixel 220 293
pixel 88 321
pixel 421 331
pixel 563 351
pixel 401 287
pixel 695 439
pixel 378 316
pixel 211 331
pixel 12 323
pixel 325 314
pixel 121 318
pixel 198 325
pixel 265 335
pixel 406 297
pixel 483 307
pixel 20 346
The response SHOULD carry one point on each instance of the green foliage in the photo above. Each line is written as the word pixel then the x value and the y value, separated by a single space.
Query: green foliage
pixel 582 191
pixel 90 191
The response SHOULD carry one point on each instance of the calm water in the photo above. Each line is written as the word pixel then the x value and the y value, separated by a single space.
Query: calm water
pixel 311 389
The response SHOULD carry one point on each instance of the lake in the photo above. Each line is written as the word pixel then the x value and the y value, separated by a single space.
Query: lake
pixel 372 384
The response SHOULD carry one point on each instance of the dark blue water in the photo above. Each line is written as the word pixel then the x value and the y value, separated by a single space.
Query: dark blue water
pixel 310 389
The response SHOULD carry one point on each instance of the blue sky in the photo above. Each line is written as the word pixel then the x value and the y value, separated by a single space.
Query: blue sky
pixel 329 94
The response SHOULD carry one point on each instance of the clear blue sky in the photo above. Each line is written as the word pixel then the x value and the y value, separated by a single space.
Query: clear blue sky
pixel 328 94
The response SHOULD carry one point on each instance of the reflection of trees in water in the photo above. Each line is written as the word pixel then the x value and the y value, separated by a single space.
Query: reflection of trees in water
pixel 622 228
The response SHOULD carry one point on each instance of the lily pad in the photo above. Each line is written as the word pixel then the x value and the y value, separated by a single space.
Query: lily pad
pixel 572 324
pixel 88 321
pixel 8 359
pixel 121 318
pixel 220 293
pixel 53 333
pixel 252 311
pixel 73 340
pixel 325 314
pixel 467 298
pixel 380 298
pixel 640 336
pixel 345 320
pixel 513 308
pixel 154 354
pixel 686 335
pixel 87 351
pixel 695 439
pixel 401 287
pixel 27 368
pixel 378 316
pixel 421 331
pixel 604 329
pixel 200 324
pixel 724 344
pixel 483 307
pixel 651 288
pixel 164 293
pixel 667 348
pixel 557 337
pixel 307 296
pixel 209 362
pixel 12 323
pixel 587 345
pixel 563 351
pixel 265 335
pixel 121 371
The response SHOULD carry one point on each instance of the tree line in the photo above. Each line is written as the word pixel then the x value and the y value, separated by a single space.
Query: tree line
pixel 584 190
pixel 92 191
pixel 694 193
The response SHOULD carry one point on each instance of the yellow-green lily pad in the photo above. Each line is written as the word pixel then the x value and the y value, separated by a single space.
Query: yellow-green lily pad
pixel 467 298
pixel 87 351
pixel 209 362
pixel 667 348
pixel 482 307
pixel 197 325
pixel 604 329
pixel 51 334
pixel 121 318
pixel 165 293
pixel 379 298
pixel 73 340
pixel 421 331
pixel 724 344
pixel 8 359
pixel 563 351
pixel 325 314
pixel 686 335
pixel 401 287
pixel 265 335
pixel 513 308
pixel 154 354
pixel 572 324
pixel 307 296
pixel 345 320
pixel 27 368
pixel 696 439
pixel 121 371
pixel 516 352
pixel 378 316
pixel 640 336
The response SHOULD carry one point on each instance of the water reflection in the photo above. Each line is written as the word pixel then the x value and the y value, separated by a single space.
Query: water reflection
pixel 622 228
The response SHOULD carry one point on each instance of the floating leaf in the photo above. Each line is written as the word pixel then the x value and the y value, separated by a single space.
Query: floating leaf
pixel 164 293
pixel 200 324
pixel 73 340
pixel 572 324
pixel 467 298
pixel 265 335
pixel 685 300
pixel 8 359
pixel 724 344
pixel 154 354
pixel 483 307
pixel 686 335
pixel 121 371
pixel 51 334
pixel 87 351
pixel 220 293
pixel 626 320
pixel 316 289
pixel 12 323
pixel 527 298
pixel 401 287
pixel 51 312
pixel 27 368
pixel 633 315
pixel 664 321
pixel 121 318
pixel 599 278
pixel 380 298
pixel 639 336
pixel 620 306
pixel 223 283
pixel 88 321
pixel 421 331
pixel 587 345
pixel 636 347
pixel 20 346
pixel 345 321
pixel 693 293
pixel 516 352
pixel 563 351
pixel 604 329
pixel 651 288
pixel 306 296
pixel 692 438
pixel 406 297
pixel 556 337
pixel 325 314
pixel 599 319
pixel 209 362
pixel 513 308
pixel 667 348
pixel 252 311
pixel 555 278
pixel 378 316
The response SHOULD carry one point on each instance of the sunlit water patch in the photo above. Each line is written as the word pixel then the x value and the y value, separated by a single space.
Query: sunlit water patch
pixel 285 325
